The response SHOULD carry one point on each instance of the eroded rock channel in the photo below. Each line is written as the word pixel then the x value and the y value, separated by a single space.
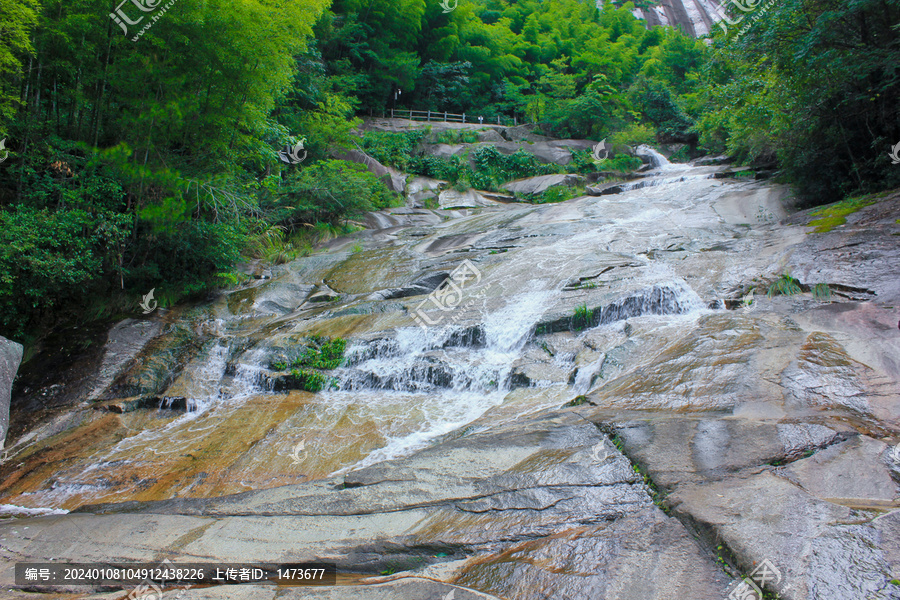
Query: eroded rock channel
pixel 611 407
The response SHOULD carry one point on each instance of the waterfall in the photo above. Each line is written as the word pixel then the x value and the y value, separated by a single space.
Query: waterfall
pixel 657 160
pixel 451 358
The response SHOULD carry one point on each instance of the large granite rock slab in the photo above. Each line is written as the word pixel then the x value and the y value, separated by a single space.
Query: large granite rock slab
pixel 533 186
pixel 10 357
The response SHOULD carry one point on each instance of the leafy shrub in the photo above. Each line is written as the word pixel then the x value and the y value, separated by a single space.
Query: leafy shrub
pixel 621 163
pixel 634 135
pixel 394 149
pixel 457 136
pixel 322 354
pixel 555 194
pixel 311 381
pixel 328 192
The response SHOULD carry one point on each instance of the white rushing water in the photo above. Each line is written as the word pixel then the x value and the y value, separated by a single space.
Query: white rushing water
pixel 411 386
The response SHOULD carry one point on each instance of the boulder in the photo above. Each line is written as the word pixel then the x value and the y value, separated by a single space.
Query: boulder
pixel 10 358
pixel 420 189
pixel 705 161
pixel 467 199
pixel 490 135
pixel 604 190
pixel 533 186
pixel 323 294
pixel 549 152
pixel 524 133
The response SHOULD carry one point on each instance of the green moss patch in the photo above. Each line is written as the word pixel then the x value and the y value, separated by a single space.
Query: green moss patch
pixel 836 214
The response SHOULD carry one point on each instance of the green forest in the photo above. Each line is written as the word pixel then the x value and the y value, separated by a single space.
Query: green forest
pixel 145 155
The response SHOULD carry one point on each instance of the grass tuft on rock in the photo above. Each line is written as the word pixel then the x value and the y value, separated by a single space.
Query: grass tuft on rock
pixel 785 286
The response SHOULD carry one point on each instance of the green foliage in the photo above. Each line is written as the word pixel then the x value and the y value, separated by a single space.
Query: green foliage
pixel 555 194
pixel 785 286
pixel 328 192
pixel 822 292
pixel 45 255
pixel 393 149
pixel 656 102
pixel 495 168
pixel 17 20
pixel 311 381
pixel 583 317
pixel 577 401
pixel 634 134
pixel 457 136
pixel 321 353
pixel 620 163
pixel 813 86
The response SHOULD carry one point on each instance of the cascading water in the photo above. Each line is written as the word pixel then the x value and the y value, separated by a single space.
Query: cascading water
pixel 450 383
pixel 402 386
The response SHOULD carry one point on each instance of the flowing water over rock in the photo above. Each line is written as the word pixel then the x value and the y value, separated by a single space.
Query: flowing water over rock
pixel 604 409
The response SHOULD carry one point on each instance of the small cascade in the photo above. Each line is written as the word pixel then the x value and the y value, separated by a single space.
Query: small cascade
pixel 658 181
pixel 250 374
pixel 461 359
pixel 206 377
pixel 669 299
pixel 656 159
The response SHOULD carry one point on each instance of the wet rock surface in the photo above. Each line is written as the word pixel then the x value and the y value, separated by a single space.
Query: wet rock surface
pixel 10 357
pixel 703 433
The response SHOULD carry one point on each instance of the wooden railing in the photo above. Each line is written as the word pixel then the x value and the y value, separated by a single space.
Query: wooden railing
pixel 434 115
